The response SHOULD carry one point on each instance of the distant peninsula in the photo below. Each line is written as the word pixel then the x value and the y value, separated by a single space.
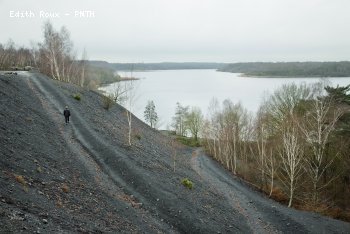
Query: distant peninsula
pixel 155 66
pixel 290 69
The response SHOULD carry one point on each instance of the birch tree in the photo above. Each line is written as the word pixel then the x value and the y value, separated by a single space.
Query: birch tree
pixel 57 59
pixel 291 154
pixel 211 128
pixel 317 126
pixel 282 103
pixel 83 68
pixel 179 119
pixel 262 151
pixel 130 100
pixel 194 121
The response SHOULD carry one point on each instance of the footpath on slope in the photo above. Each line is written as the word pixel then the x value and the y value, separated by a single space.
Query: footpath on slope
pixel 263 214
pixel 98 154
pixel 169 205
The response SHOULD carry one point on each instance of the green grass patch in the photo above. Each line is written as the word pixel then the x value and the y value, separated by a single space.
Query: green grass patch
pixel 77 97
pixel 188 141
pixel 187 183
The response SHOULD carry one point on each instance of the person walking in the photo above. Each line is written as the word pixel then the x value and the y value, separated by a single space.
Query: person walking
pixel 66 114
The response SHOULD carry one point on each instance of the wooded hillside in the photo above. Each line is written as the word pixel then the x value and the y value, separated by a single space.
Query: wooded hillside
pixel 291 69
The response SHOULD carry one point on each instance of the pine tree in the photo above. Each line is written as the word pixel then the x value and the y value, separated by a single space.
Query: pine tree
pixel 150 114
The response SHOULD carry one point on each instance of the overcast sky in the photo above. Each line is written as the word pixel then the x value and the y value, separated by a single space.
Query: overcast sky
pixel 191 30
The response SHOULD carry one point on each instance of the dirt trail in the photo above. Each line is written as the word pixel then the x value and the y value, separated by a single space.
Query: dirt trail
pixel 262 214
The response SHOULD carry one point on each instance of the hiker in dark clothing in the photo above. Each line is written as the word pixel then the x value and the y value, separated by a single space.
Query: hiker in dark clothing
pixel 66 114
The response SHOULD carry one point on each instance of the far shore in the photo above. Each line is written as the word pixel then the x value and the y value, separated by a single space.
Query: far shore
pixel 127 79
pixel 273 77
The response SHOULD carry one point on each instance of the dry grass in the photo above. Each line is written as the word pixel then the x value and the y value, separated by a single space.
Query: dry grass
pixel 107 101
pixel 130 199
pixel 65 188
pixel 29 119
pixel 20 179
pixel 338 213
pixel 59 203
pixel 279 195
pixel 325 208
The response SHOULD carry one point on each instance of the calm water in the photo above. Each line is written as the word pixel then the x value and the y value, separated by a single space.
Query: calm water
pixel 198 87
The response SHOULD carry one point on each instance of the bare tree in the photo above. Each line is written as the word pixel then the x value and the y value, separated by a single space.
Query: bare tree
pixel 120 92
pixel 271 167
pixel 130 96
pixel 7 54
pixel 57 59
pixel 283 102
pixel 34 54
pixel 194 121
pixel 211 128
pixel 83 67
pixel 179 119
pixel 317 126
pixel 227 129
pixel 291 154
pixel 262 151
pixel 234 119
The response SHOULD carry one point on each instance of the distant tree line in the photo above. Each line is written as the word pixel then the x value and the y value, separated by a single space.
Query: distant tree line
pixel 12 56
pixel 291 69
pixel 56 58
pixel 296 148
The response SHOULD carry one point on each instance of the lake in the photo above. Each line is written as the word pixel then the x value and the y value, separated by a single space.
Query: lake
pixel 198 87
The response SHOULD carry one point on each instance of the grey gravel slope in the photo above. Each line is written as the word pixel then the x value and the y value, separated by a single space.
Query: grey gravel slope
pixel 113 187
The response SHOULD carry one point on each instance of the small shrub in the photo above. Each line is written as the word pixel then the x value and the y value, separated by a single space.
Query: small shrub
pixel 39 169
pixel 77 97
pixel 187 183
pixel 138 137
pixel 107 101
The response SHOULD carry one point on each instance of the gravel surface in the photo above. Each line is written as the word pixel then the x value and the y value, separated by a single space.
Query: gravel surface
pixel 83 177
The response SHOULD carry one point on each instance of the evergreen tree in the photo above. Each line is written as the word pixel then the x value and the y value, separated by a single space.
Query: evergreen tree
pixel 150 114
pixel 340 94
